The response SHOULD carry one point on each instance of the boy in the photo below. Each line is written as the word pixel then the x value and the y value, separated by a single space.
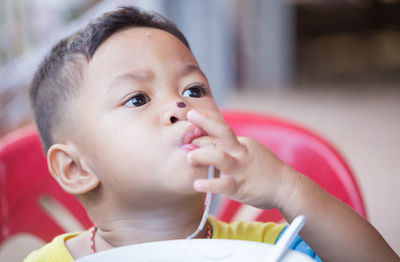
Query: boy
pixel 122 108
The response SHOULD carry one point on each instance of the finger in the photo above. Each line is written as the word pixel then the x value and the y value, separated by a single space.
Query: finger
pixel 217 128
pixel 205 141
pixel 216 157
pixel 223 185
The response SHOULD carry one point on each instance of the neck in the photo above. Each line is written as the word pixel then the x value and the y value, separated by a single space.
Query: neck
pixel 172 222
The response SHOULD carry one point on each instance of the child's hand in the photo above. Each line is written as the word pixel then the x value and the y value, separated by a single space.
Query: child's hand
pixel 250 173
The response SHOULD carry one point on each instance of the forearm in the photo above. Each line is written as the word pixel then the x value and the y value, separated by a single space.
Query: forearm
pixel 333 230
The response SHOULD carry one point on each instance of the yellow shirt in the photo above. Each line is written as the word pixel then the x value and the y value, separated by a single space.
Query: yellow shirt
pixel 244 230
pixel 56 251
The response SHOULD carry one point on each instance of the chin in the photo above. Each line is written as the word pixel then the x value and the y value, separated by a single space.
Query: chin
pixel 198 173
pixel 185 185
pixel 181 177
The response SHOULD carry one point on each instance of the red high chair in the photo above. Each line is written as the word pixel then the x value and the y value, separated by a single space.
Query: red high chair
pixel 301 149
pixel 25 179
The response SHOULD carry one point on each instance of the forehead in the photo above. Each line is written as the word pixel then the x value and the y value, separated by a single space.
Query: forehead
pixel 140 48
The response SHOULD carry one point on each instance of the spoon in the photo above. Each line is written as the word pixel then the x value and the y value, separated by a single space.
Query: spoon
pixel 286 239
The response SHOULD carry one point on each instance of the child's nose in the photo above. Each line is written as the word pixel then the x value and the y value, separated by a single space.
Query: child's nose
pixel 173 119
pixel 176 113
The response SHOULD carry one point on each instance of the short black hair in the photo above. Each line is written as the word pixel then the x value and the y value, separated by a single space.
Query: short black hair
pixel 60 74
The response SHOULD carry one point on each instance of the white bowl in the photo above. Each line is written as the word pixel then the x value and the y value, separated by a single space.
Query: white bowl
pixel 194 250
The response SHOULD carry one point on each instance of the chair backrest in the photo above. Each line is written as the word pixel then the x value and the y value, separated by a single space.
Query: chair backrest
pixel 25 179
pixel 301 149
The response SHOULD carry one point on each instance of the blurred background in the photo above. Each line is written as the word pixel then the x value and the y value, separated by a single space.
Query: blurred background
pixel 331 66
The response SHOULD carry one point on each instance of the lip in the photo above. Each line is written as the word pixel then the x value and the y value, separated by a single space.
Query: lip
pixel 190 134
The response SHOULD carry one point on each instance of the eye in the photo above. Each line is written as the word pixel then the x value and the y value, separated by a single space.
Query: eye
pixel 137 100
pixel 194 91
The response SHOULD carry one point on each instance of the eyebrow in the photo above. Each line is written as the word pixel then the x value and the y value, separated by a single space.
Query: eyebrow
pixel 138 75
pixel 189 69
pixel 144 75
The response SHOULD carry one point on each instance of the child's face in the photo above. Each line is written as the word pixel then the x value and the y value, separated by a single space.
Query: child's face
pixel 126 115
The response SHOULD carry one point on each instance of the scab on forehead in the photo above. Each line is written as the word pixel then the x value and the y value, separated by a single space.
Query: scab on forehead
pixel 148 34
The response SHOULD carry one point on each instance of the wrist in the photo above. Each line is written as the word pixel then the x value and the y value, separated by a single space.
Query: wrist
pixel 289 189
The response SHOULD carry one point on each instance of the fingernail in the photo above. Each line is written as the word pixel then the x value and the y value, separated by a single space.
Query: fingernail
pixel 190 147
pixel 193 114
pixel 198 185
pixel 189 157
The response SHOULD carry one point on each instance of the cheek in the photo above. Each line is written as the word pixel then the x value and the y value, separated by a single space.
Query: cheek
pixel 206 106
pixel 212 107
pixel 124 166
pixel 212 111
pixel 115 150
pixel 125 150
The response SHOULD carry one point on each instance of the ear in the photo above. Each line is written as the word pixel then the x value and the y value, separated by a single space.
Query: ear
pixel 68 168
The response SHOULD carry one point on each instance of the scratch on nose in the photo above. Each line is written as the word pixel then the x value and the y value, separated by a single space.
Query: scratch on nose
pixel 181 104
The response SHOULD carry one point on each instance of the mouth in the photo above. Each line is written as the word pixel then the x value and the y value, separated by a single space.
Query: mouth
pixel 191 134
